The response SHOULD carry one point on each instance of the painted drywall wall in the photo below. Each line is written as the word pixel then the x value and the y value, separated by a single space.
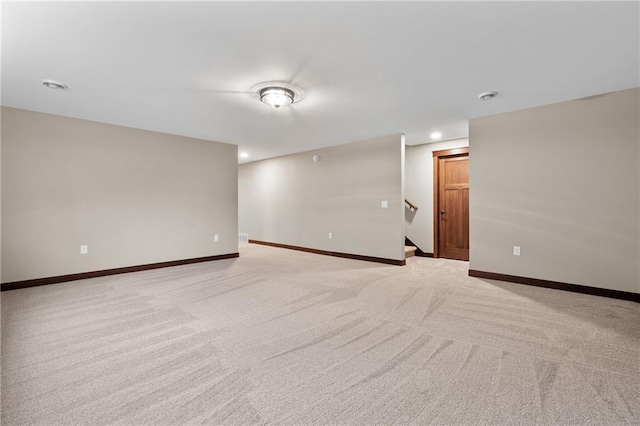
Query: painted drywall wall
pixel 0 201
pixel 296 201
pixel 419 190
pixel 562 182
pixel 1 109
pixel 132 196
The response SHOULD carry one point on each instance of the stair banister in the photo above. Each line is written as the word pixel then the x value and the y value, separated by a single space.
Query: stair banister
pixel 412 206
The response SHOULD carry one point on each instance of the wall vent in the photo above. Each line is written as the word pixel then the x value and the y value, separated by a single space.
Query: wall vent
pixel 243 238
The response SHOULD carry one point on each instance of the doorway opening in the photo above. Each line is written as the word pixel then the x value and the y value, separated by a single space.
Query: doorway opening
pixel 451 203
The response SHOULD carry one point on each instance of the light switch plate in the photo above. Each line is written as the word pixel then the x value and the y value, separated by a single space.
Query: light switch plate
pixel 384 204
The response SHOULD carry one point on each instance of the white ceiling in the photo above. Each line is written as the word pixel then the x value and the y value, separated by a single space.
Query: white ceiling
pixel 368 69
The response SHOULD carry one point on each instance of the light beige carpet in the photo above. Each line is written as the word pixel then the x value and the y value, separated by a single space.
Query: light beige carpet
pixel 284 337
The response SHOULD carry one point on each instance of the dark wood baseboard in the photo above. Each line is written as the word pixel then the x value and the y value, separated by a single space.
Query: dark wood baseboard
pixel 370 258
pixel 576 288
pixel 93 274
pixel 423 254
pixel 332 253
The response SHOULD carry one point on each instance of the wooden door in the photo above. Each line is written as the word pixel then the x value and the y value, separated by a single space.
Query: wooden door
pixel 453 206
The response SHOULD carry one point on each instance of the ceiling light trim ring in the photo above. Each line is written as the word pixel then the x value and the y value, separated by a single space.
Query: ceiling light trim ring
pixel 487 96
pixel 52 84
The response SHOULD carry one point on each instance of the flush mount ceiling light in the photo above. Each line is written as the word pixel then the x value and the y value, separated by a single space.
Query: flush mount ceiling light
pixel 244 155
pixel 277 94
pixel 436 135
pixel 51 84
pixel 487 96
pixel 277 97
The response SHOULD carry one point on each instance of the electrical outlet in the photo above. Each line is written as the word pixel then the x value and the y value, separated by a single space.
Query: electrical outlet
pixel 384 204
pixel 330 235
pixel 84 249
pixel 516 250
pixel 215 238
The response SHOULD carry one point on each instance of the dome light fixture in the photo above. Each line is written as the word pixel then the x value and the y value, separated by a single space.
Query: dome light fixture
pixel 487 96
pixel 436 135
pixel 277 93
pixel 244 155
pixel 277 96
pixel 52 84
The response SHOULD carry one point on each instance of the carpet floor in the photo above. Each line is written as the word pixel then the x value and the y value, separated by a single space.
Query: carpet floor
pixel 285 337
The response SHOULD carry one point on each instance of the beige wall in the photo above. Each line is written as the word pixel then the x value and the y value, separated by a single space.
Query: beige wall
pixel 561 181
pixel 1 316
pixel 133 196
pixel 294 200
pixel 419 190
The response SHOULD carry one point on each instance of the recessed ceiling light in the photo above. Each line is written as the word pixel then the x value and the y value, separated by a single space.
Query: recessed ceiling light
pixel 436 135
pixel 487 96
pixel 51 84
pixel 244 155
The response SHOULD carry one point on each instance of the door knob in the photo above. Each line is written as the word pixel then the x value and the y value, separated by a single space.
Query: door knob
pixel 442 212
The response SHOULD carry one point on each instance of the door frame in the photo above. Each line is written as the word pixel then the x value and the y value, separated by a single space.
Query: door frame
pixel 437 155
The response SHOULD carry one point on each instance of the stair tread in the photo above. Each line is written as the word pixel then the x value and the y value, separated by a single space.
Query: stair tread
pixel 409 251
